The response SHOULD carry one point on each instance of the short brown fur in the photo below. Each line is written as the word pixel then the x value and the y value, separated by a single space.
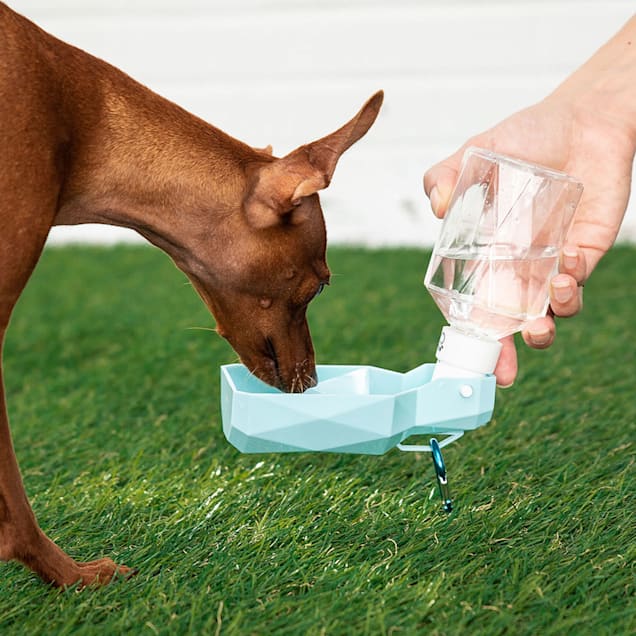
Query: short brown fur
pixel 82 142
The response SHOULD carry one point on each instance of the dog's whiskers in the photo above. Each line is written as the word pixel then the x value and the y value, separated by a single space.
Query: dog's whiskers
pixel 309 381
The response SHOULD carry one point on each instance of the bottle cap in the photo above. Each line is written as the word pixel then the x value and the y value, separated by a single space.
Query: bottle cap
pixel 461 354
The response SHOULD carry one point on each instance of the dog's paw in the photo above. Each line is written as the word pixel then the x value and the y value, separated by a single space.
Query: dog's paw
pixel 102 572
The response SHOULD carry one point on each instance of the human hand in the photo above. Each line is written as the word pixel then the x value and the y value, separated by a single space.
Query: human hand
pixel 568 131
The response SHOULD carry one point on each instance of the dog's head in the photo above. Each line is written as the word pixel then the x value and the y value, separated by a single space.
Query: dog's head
pixel 271 262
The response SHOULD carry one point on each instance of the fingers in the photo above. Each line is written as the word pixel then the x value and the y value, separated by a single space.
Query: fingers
pixel 573 263
pixel 540 333
pixel 439 182
pixel 566 291
pixel 566 298
pixel 440 193
pixel 506 369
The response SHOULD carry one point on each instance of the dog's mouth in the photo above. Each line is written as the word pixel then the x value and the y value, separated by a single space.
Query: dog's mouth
pixel 270 352
pixel 298 378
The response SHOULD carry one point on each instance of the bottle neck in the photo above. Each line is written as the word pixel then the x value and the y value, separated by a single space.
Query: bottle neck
pixel 460 354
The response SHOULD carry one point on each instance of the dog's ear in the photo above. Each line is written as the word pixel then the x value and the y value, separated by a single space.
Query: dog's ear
pixel 280 186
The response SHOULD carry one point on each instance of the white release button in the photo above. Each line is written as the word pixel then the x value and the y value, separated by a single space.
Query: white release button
pixel 466 391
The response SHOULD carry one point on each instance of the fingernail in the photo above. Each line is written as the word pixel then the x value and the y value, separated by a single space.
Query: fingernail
pixel 435 199
pixel 570 258
pixel 561 290
pixel 540 338
pixel 504 386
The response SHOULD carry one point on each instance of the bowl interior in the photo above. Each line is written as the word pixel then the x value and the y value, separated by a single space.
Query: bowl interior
pixel 340 380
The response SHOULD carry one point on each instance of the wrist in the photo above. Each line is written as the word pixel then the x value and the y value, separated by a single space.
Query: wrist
pixel 605 86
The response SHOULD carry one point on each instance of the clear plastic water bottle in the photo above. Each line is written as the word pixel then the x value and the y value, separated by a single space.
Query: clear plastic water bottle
pixel 497 250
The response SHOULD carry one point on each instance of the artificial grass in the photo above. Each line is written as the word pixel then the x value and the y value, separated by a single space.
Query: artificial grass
pixel 114 401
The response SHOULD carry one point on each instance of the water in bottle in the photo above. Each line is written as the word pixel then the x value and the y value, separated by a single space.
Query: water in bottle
pixel 497 250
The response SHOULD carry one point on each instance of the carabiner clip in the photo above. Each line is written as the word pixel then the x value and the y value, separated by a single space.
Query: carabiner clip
pixel 440 473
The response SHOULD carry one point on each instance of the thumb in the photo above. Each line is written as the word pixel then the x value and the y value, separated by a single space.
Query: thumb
pixel 506 369
pixel 440 180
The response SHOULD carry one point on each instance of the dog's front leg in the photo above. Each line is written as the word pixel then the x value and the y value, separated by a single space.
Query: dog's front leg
pixel 22 540
pixel 25 224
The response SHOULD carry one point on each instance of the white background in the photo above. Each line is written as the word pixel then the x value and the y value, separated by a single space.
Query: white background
pixel 288 71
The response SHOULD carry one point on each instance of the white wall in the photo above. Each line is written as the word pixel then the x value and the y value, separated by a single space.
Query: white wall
pixel 288 71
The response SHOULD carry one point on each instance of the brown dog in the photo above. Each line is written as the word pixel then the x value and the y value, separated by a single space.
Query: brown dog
pixel 82 142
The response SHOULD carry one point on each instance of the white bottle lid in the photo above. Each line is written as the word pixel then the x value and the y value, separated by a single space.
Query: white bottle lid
pixel 460 354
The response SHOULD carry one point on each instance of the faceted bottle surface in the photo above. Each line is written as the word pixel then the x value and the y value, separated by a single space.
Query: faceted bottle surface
pixel 492 291
pixel 497 250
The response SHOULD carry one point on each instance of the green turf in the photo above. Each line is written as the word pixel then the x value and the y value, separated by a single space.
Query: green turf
pixel 114 401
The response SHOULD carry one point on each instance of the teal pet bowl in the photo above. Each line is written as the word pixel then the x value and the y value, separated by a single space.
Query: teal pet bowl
pixel 352 409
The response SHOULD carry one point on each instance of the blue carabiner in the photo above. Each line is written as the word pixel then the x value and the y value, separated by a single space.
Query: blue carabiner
pixel 440 473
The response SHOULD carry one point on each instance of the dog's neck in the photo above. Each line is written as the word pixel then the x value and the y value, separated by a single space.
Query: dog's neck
pixel 136 160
